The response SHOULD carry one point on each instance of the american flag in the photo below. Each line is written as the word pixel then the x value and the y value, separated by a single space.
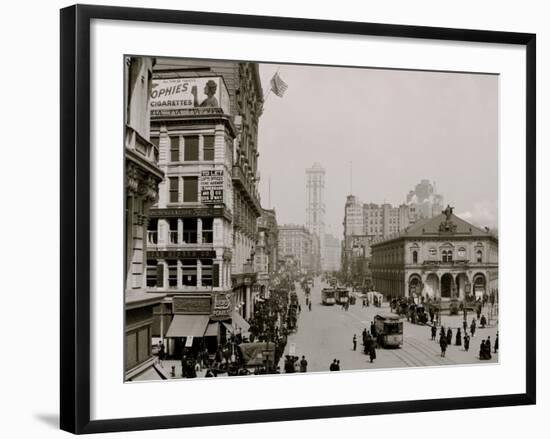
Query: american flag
pixel 278 86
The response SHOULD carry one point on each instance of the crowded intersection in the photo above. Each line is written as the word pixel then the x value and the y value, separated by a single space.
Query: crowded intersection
pixel 294 331
pixel 326 333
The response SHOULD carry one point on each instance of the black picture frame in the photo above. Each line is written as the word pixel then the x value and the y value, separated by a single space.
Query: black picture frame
pixel 75 217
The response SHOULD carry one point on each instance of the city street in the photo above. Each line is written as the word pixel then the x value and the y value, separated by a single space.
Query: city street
pixel 326 333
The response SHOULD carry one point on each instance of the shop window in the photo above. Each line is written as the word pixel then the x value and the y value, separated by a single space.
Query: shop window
pixel 190 189
pixel 208 230
pixel 208 148
pixel 172 273
pixel 189 272
pixel 174 149
pixel 190 230
pixel 191 151
pixel 174 189
pixel 206 272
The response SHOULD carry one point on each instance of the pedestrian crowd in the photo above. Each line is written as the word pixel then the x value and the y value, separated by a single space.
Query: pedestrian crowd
pixel 463 338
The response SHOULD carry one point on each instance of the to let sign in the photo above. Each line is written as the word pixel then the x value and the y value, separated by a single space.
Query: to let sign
pixel 211 186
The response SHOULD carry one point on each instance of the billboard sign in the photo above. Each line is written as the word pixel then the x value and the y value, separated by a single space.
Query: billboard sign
pixel 222 306
pixel 189 96
pixel 211 186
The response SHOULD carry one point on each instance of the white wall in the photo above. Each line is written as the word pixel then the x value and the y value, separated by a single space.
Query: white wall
pixel 29 322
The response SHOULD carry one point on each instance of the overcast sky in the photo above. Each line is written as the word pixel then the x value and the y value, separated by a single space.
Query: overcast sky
pixel 395 127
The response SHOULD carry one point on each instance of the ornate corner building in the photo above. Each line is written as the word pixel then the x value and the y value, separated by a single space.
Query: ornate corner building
pixel 143 176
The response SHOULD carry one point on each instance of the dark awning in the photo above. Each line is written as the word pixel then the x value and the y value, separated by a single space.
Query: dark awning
pixel 187 326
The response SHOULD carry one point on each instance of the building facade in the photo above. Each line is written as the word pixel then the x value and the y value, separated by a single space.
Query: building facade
pixel 315 211
pixel 333 248
pixel 267 250
pixel 142 179
pixel 296 243
pixel 201 240
pixel 441 257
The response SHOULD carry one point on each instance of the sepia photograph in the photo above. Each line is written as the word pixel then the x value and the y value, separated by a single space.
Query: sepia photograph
pixel 294 218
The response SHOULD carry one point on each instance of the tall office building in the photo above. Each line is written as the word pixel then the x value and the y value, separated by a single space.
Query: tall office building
pixel 315 210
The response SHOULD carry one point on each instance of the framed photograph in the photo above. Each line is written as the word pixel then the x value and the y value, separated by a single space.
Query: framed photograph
pixel 272 218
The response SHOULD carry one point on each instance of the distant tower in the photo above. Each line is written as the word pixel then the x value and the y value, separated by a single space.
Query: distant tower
pixel 315 208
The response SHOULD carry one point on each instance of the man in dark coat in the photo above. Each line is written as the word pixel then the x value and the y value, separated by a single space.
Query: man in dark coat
pixel 354 342
pixel 466 342
pixel 372 329
pixel 332 367
pixel 303 364
pixel 488 347
pixel 364 336
pixel 434 332
pixel 372 353
pixel 496 344
pixel 482 350
pixel 465 325
pixel 473 327
pixel 483 321
pixel 449 336
pixel 443 344
pixel 458 341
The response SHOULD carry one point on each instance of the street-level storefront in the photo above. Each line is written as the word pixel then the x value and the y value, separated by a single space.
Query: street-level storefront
pixel 196 322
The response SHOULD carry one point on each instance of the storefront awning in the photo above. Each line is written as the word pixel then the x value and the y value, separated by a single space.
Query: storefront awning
pixel 212 330
pixel 239 321
pixel 187 326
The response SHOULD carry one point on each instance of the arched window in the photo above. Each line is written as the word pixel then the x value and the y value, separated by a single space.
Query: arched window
pixel 449 256
pixel 444 255
pixel 415 257
pixel 479 256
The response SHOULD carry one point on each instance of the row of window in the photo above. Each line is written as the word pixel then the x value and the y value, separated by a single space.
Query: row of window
pixel 190 189
pixel 188 273
pixel 189 145
pixel 189 234
pixel 447 255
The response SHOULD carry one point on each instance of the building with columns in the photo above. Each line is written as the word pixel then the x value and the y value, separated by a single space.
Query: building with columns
pixel 315 211
pixel 143 175
pixel 441 257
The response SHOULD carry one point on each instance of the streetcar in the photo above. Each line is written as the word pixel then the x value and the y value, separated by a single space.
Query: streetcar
pixel 342 296
pixel 389 330
pixel 328 296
